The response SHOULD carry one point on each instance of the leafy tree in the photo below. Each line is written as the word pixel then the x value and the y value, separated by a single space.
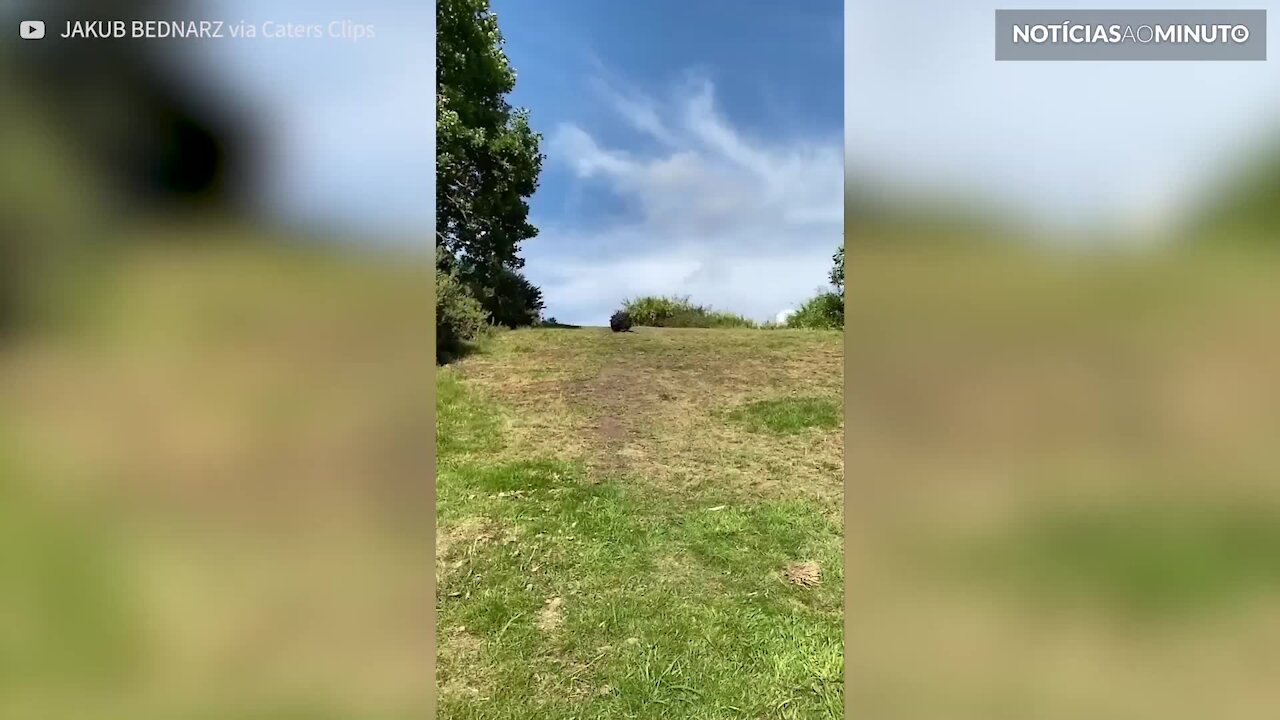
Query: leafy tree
pixel 487 160
pixel 837 270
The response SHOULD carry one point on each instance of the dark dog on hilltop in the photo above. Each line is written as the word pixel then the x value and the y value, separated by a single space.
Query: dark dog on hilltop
pixel 620 322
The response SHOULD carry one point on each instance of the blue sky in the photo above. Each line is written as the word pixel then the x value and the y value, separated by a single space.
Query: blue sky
pixel 692 148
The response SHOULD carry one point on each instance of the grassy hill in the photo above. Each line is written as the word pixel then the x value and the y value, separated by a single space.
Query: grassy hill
pixel 212 497
pixel 618 516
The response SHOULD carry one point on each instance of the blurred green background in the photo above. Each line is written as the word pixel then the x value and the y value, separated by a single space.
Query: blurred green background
pixel 1064 377
pixel 214 385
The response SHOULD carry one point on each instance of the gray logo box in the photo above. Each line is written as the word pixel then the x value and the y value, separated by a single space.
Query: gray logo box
pixel 1131 35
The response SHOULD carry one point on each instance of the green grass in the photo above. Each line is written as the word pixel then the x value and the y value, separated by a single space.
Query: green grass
pixel 68 623
pixel 1157 559
pixel 788 415
pixel 569 588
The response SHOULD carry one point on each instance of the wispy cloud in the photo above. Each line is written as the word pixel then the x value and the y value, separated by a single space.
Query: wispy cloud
pixel 741 223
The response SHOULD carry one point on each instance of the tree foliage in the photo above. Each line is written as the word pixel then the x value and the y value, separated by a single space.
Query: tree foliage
pixel 511 300
pixel 459 317
pixel 487 163
pixel 837 270
pixel 821 312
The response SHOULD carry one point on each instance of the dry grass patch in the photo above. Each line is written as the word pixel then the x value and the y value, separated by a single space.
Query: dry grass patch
pixel 804 574
pixel 460 664
pixel 551 616
pixel 650 405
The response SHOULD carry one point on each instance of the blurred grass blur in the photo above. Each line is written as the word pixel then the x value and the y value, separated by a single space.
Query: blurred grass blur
pixel 1062 469
pixel 213 473
pixel 215 439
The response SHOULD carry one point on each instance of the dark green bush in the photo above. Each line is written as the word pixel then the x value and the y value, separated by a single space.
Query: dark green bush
pixel 510 300
pixel 821 312
pixel 505 294
pixel 654 311
pixel 459 317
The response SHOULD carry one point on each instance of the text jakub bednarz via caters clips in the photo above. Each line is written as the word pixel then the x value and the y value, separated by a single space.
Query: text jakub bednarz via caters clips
pixel 181 29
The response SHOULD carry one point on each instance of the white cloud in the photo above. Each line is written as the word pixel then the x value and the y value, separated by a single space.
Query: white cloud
pixel 739 223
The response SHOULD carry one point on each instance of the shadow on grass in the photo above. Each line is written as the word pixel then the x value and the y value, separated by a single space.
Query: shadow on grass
pixel 449 355
pixel 559 326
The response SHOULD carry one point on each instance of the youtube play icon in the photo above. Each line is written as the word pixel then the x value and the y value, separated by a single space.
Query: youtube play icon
pixel 31 29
